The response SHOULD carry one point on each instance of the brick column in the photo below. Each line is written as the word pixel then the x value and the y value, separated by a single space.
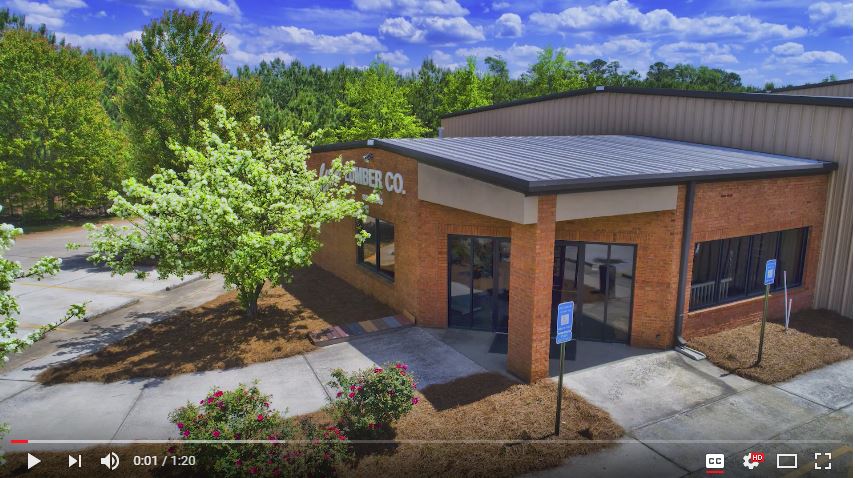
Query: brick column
pixel 532 251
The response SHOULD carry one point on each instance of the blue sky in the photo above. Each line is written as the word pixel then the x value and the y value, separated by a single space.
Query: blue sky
pixel 783 41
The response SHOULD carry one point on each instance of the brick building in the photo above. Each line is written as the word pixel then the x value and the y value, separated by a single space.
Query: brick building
pixel 491 233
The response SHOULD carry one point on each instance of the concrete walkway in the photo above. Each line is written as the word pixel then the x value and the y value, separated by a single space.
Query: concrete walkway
pixel 139 409
pixel 677 410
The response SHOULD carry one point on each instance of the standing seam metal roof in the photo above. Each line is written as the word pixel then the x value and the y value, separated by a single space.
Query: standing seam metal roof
pixel 545 164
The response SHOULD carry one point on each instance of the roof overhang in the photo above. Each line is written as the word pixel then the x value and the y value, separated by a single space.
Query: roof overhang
pixel 531 188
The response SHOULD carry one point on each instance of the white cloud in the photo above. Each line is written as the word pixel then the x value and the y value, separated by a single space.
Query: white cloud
pixel 395 58
pixel 413 8
pixel 831 14
pixel 444 30
pixel 401 28
pixel 500 5
pixel 622 12
pixel 687 52
pixel 101 41
pixel 51 13
pixel 454 29
pixel 236 56
pixel 620 46
pixel 225 7
pixel 509 25
pixel 808 58
pixel 354 42
pixel 518 57
pixel 444 59
pixel 789 49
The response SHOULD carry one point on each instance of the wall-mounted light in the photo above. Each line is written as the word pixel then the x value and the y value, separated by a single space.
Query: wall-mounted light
pixel 367 157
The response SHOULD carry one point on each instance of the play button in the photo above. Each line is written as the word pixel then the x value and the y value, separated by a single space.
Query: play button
pixel 32 461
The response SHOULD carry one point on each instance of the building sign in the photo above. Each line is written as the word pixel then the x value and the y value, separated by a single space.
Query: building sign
pixel 373 178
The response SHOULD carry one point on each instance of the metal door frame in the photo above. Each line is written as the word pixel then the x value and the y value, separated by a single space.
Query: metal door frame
pixel 493 296
pixel 580 307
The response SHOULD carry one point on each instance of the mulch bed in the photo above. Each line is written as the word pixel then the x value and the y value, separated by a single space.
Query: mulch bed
pixel 816 338
pixel 217 335
pixel 486 406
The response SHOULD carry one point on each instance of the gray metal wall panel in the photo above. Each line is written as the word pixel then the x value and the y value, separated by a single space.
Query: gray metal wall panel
pixel 815 132
pixel 844 90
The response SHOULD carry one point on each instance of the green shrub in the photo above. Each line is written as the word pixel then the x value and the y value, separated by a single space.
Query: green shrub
pixel 369 401
pixel 245 414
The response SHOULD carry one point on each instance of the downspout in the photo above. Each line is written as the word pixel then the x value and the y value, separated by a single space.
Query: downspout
pixel 688 213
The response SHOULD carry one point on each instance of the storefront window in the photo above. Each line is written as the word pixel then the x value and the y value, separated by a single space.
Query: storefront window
pixel 378 251
pixel 731 269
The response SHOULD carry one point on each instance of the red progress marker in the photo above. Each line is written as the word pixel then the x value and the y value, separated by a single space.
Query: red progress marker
pixel 20 442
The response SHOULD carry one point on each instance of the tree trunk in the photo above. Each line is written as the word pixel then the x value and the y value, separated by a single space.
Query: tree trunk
pixel 51 204
pixel 250 301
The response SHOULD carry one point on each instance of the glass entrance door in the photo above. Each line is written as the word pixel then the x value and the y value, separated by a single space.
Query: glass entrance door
pixel 599 278
pixel 478 282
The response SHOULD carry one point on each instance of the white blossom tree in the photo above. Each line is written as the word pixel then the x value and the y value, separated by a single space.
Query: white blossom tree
pixel 247 207
pixel 10 271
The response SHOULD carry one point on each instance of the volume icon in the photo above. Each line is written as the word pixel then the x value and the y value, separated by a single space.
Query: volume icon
pixel 111 461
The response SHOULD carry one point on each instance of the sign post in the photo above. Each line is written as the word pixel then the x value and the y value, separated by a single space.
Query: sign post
pixel 563 334
pixel 768 280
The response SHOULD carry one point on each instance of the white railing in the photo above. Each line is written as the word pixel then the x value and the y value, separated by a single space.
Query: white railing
pixel 704 293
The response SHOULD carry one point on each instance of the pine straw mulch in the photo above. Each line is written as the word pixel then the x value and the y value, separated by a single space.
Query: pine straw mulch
pixel 484 407
pixel 216 335
pixel 816 338
pixel 488 407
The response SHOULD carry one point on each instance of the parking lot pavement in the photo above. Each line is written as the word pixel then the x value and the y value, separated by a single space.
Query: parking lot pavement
pixel 647 388
pixel 45 301
pixel 676 410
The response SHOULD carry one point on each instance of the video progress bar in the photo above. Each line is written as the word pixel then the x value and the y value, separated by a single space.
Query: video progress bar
pixel 416 442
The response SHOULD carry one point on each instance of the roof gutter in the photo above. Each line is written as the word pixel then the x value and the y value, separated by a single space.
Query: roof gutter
pixel 680 315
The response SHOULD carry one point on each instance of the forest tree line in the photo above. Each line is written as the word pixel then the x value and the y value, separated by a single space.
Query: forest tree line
pixel 74 124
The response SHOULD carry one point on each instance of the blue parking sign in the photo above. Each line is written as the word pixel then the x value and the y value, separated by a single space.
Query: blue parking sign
pixel 769 277
pixel 564 324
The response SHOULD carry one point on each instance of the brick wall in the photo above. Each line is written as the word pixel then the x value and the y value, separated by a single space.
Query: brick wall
pixel 338 254
pixel 436 223
pixel 657 239
pixel 741 208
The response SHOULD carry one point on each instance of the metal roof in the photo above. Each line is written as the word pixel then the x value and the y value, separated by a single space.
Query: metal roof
pixel 552 164
pixel 839 102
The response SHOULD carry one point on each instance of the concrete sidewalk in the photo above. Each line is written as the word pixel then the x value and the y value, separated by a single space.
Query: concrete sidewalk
pixel 139 409
pixel 677 410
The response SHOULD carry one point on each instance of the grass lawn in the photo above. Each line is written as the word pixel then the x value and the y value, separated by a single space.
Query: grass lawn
pixel 479 407
pixel 216 335
pixel 815 338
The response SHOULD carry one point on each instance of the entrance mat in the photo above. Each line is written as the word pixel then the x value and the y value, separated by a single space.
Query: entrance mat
pixel 343 333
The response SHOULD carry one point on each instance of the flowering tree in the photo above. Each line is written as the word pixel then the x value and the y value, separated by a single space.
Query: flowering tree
pixel 246 207
pixel 10 271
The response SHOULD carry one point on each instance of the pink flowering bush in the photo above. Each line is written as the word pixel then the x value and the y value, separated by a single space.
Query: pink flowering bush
pixel 369 401
pixel 245 414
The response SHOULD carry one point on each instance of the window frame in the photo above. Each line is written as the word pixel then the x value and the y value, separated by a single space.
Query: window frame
pixel 751 266
pixel 374 267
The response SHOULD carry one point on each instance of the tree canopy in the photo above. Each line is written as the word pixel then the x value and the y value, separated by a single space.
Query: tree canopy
pixel 175 80
pixel 376 106
pixel 246 207
pixel 56 140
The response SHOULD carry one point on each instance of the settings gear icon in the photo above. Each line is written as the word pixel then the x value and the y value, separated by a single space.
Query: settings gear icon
pixel 748 463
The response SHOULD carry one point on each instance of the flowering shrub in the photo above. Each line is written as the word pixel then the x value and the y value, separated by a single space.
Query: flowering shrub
pixel 369 401
pixel 245 414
